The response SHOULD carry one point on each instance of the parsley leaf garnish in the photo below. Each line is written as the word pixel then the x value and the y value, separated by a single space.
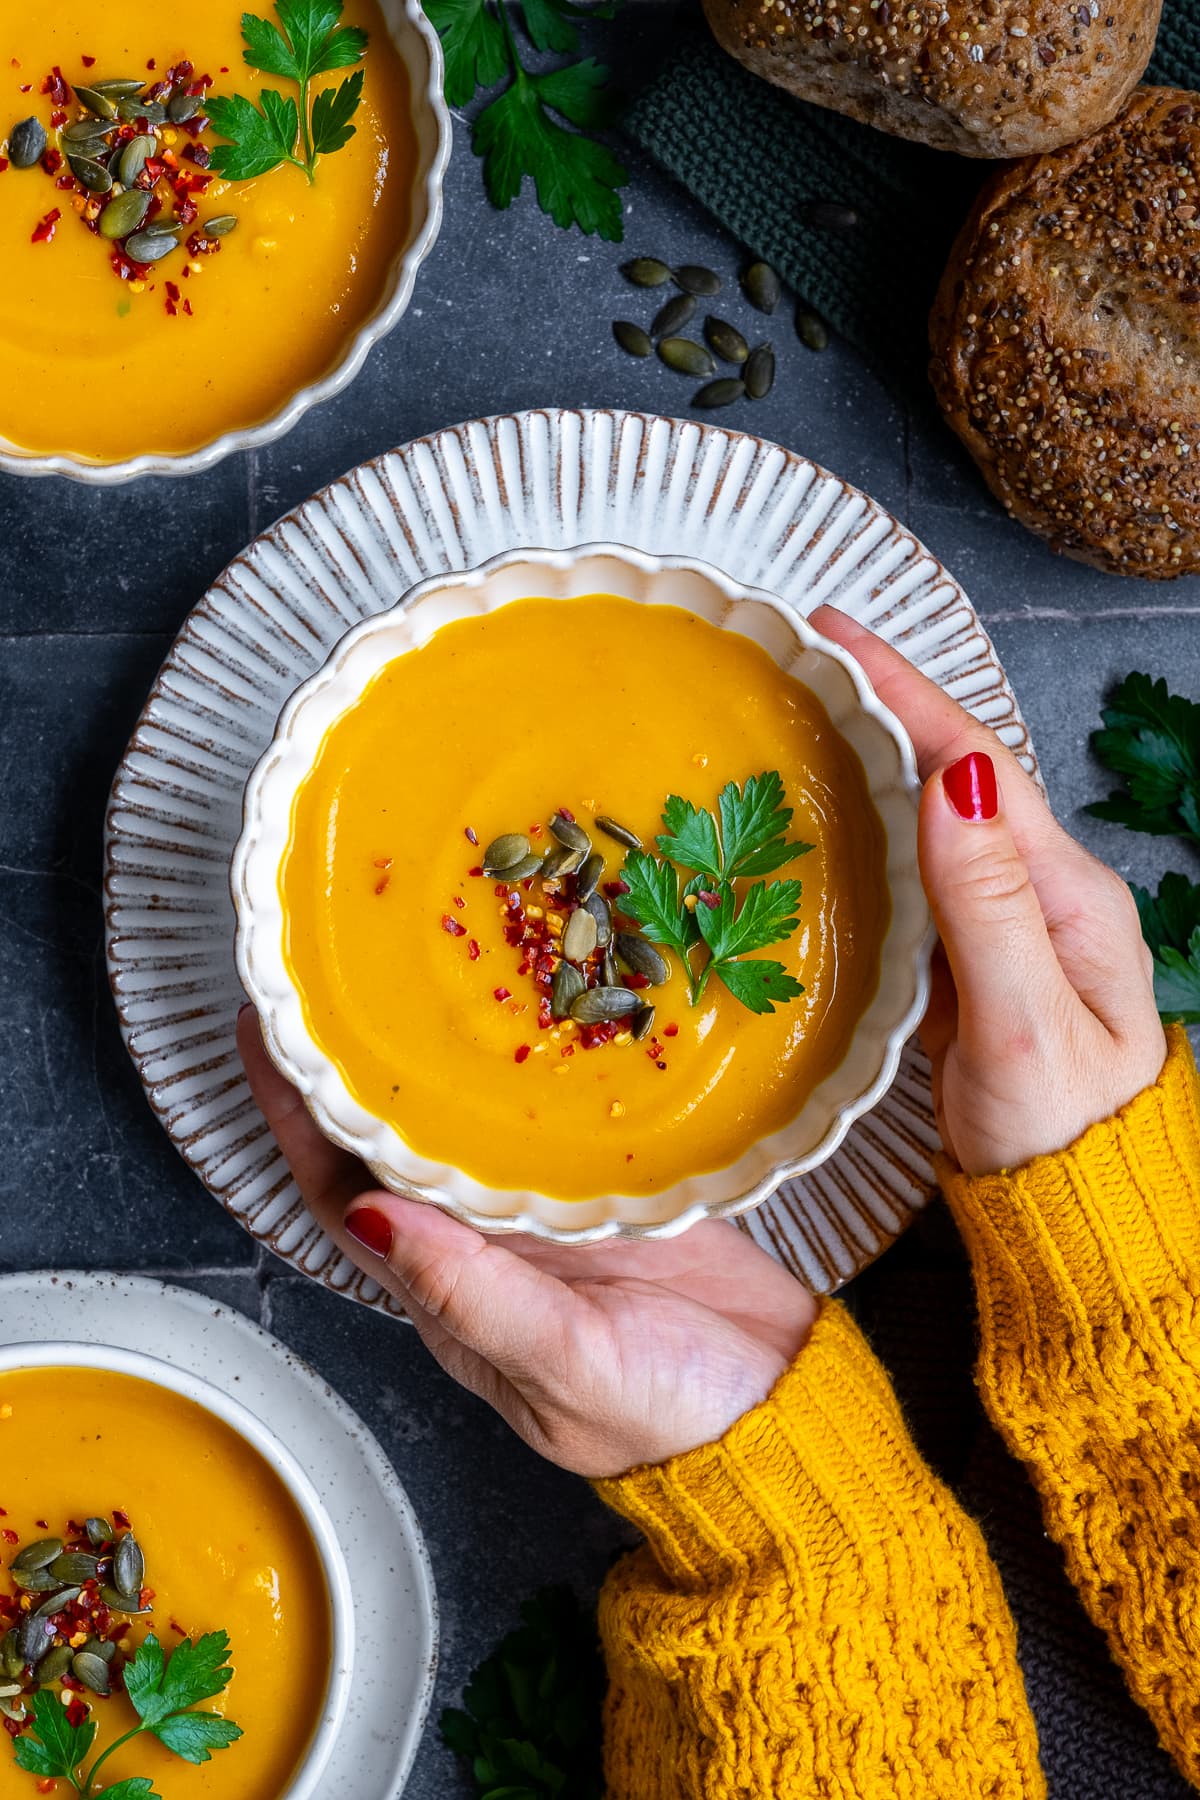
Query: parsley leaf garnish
pixel 1152 738
pixel 1171 927
pixel 277 130
pixel 162 1691
pixel 750 838
pixel 518 134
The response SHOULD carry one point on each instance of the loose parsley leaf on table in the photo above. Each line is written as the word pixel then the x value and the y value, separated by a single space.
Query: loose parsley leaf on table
pixel 1171 927
pixel 576 178
pixel 750 839
pixel 1152 738
pixel 276 131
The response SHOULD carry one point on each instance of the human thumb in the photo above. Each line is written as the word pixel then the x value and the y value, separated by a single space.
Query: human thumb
pixel 985 906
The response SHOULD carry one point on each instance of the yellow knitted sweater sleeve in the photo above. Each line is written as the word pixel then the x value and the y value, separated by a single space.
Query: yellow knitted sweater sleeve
pixel 1087 1267
pixel 812 1617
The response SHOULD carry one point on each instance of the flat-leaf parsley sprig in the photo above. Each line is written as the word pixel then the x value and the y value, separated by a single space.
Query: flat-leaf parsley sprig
pixel 517 134
pixel 277 130
pixel 747 837
pixel 163 1691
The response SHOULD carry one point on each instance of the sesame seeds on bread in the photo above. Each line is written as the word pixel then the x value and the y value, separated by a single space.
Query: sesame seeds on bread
pixel 1066 340
pixel 994 78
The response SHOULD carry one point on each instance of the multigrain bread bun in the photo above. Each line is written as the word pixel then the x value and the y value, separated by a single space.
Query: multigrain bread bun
pixel 982 77
pixel 1066 340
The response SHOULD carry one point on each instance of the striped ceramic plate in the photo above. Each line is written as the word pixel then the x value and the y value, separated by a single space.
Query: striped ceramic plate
pixel 539 479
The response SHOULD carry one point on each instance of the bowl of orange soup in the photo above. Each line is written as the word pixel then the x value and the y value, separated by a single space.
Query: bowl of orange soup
pixel 138 1501
pixel 157 313
pixel 578 893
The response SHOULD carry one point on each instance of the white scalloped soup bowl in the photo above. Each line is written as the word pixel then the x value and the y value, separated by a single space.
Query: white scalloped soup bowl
pixel 845 1093
pixel 420 50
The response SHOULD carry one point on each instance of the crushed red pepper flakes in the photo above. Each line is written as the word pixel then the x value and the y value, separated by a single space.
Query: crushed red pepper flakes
pixel 520 1053
pixel 459 901
pixel 55 84
pixel 9 1535
pixel 43 232
pixel 452 926
pixel 501 994
pixel 670 1031
pixel 52 161
pixel 122 1518
pixel 3 164
pixel 89 62
pixel 473 949
pixel 469 834
pixel 475 870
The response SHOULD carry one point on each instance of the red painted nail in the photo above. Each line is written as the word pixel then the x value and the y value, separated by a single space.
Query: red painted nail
pixel 371 1228
pixel 970 786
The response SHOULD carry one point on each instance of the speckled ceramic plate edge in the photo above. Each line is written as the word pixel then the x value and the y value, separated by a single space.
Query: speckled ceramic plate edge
pixel 542 479
pixel 394 1668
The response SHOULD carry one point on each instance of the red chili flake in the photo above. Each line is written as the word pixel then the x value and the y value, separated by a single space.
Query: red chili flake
pixel 535 829
pixel 381 862
pixel 564 812
pixel 46 1785
pixel 176 1626
pixel 27 87
pixel 3 1512
pixel 475 870
pixel 89 62
pixel 44 1525
pixel 381 884
pixel 661 1065
pixel 76 1712
pixel 3 164
pixel 187 307
pixel 670 1031
pixel 52 162
pixel 459 901
pixel 44 231
pixel 57 118
pixel 453 926
pixel 187 212
pixel 13 1727
pixel 9 1536
pixel 473 950
pixel 567 1050
pixel 224 69
pixel 469 835
pixel 520 1053
pixel 501 993
pixel 122 1518
pixel 152 64
pixel 66 182
pixel 637 981
pixel 55 85
pixel 614 888
pixel 712 901
pixel 629 1156
pixel 200 154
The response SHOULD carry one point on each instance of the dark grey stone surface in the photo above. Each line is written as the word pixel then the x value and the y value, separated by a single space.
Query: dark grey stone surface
pixel 508 313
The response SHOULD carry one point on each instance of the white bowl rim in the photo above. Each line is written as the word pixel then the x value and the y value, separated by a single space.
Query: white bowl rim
pixel 526 1221
pixel 398 286
pixel 62 1353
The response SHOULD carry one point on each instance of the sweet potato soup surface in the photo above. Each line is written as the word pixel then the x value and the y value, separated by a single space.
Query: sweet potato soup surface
pixel 93 369
pixel 601 705
pixel 225 1548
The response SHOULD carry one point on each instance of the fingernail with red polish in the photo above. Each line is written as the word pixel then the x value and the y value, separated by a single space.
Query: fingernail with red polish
pixel 970 786
pixel 371 1228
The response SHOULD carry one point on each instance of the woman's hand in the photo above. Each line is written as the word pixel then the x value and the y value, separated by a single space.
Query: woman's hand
pixel 1042 1020
pixel 601 1358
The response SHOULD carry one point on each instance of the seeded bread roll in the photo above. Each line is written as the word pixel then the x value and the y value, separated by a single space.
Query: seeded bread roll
pixel 982 77
pixel 1066 340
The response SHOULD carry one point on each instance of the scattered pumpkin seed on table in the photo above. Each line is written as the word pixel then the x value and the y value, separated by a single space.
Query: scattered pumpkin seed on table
pixel 722 392
pixel 694 278
pixel 646 271
pixel 686 357
pixel 672 316
pixel 811 330
pixel 632 338
pixel 726 339
pixel 760 371
pixel 761 286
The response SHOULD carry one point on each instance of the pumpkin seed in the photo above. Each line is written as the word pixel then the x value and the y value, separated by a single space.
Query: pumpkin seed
pixel 646 271
pixel 56 1662
pixel 569 833
pixel 26 142
pixel 589 877
pixel 619 833
pixel 565 989
pixel 34 1581
pixel 118 89
pixel 610 974
pixel 528 865
pixel 686 357
pixel 579 939
pixel 133 158
pixel 99 1531
pixel 632 338
pixel 129 1566
pixel 92 1671
pixel 672 316
pixel 152 245
pixel 92 174
pixel 504 853
pixel 760 371
pixel 562 862
pixel 183 106
pixel 11 1662
pixel 811 330
pixel 643 1023
pixel 86 136
pixel 33 1637
pixel 639 954
pixel 830 215
pixel 760 284
pixel 694 278
pixel 601 911
pixel 105 1649
pixel 124 214
pixel 37 1556
pixel 603 1003
pixel 132 110
pixel 726 340
pixel 719 393
pixel 74 1565
pixel 221 226
pixel 122 1603
pixel 56 1602
pixel 8 1689
pixel 96 102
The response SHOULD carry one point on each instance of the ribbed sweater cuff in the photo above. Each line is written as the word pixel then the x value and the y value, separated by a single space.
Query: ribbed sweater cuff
pixel 823 1462
pixel 1073 1246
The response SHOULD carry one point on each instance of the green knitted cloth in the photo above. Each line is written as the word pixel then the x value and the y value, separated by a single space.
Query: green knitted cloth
pixel 756 158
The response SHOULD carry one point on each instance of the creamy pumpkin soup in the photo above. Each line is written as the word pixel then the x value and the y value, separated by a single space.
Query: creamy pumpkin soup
pixel 114 341
pixel 166 1500
pixel 584 897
